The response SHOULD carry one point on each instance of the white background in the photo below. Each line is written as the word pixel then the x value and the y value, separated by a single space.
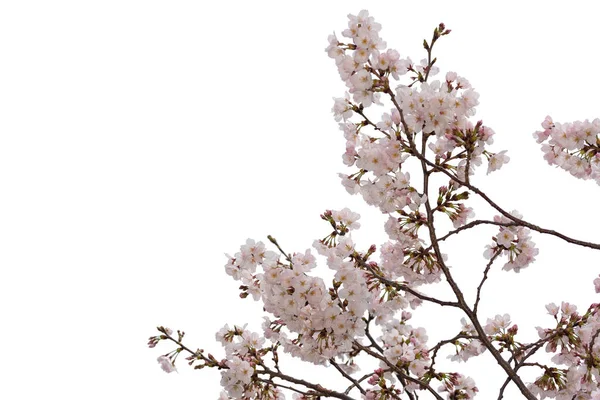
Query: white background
pixel 141 140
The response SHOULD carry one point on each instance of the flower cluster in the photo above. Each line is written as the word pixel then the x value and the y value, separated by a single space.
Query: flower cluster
pixel 316 323
pixel 471 347
pixel 458 386
pixel 575 343
pixel 355 69
pixel 575 147
pixel 324 320
pixel 382 386
pixel 497 325
pixel 239 341
pixel 514 241
pixel 405 256
pixel 166 363
pixel 439 110
pixel 238 374
pixel 239 377
pixel 406 346
pixel 449 203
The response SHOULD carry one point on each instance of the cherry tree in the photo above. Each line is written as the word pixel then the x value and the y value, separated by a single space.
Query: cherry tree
pixel 414 161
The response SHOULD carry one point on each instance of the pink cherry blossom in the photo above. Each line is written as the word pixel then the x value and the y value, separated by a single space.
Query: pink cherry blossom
pixel 166 364
pixel 424 132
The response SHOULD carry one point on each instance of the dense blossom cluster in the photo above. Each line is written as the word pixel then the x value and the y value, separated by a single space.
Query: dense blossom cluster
pixel 514 241
pixel 439 109
pixel 575 147
pixel 575 345
pixel 459 386
pixel 406 346
pixel 470 346
pixel 328 319
pixel 316 323
pixel 429 123
pixel 324 325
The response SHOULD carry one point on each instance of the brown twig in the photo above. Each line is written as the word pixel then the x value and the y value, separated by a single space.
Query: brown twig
pixel 485 276
pixel 421 384
pixel 405 288
pixel 345 375
pixel 320 390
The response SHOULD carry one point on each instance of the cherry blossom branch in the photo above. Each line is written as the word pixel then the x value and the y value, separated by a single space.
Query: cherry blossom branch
pixel 398 371
pixel 441 343
pixel 518 221
pixel 485 275
pixel 459 295
pixel 293 389
pixel 437 168
pixel 535 347
pixel 437 33
pixel 246 370
pixel 320 390
pixel 362 378
pixel 351 379
pixel 502 388
pixel 405 288
pixel 435 243
pixel 369 336
pixel 274 241
pixel 316 387
pixel 471 315
pixel 473 224
pixel 359 111
pixel 197 353
pixel 380 349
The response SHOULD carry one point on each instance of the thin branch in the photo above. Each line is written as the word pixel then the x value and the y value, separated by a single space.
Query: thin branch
pixel 380 349
pixel 320 390
pixel 485 275
pixel 368 121
pixel 441 343
pixel 183 347
pixel 398 371
pixel 405 288
pixel 282 386
pixel 368 334
pixel 365 376
pixel 316 387
pixel 472 224
pixel 518 221
pixel 503 387
pixel 351 379
pixel 274 241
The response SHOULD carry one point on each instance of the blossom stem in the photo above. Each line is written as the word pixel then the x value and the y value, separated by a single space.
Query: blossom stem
pixel 316 387
pixel 485 275
pixel 365 376
pixel 345 375
pixel 406 288
pixel 441 343
pixel 282 386
pixel 518 221
pixel 274 241
pixel 398 371
pixel 472 224
pixel 370 337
